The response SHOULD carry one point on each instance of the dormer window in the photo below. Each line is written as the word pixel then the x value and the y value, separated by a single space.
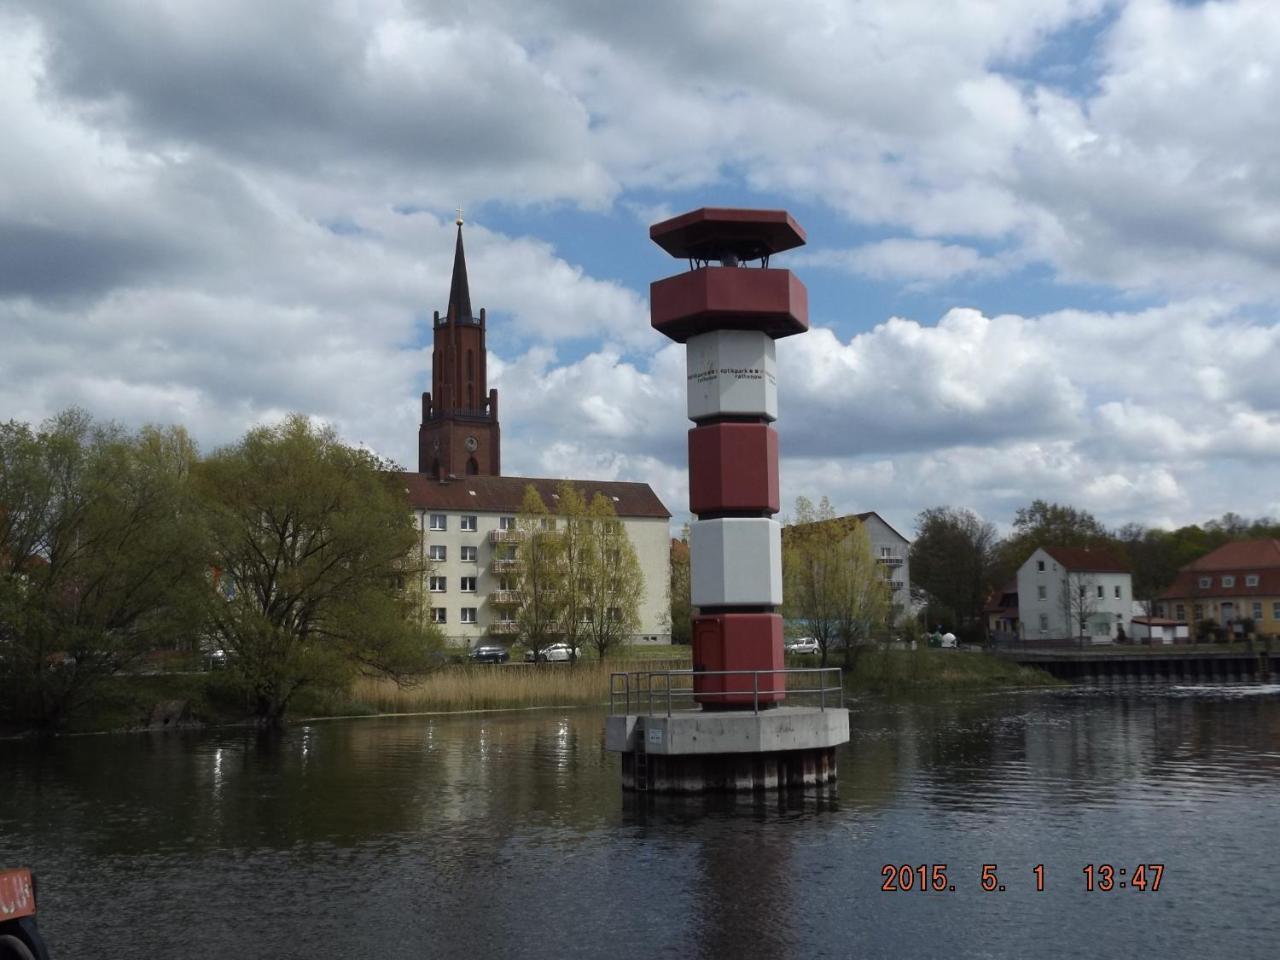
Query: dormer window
pixel 1251 580
pixel 1206 583
pixel 1228 581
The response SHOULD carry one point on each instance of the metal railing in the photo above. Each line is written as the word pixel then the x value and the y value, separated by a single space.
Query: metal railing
pixel 506 536
pixel 638 690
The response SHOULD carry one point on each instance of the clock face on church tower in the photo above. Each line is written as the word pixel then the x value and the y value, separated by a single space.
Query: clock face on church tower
pixel 471 443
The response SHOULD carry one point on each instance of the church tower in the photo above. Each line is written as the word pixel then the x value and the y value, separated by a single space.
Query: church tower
pixel 459 435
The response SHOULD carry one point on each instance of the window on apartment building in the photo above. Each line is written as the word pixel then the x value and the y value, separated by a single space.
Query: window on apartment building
pixel 468 585
pixel 1206 583
pixel 615 614
pixel 1082 592
pixel 438 522
pixel 1257 610
pixel 438 615
pixel 1044 623
pixel 506 583
pixel 506 523
pixel 1118 591
pixel 468 523
pixel 1275 609
pixel 468 615
pixel 436 552
pixel 1042 592
pixel 436 584
pixel 886 551
pixel 548 523
pixel 1039 566
pixel 1251 580
pixel 1198 611
pixel 469 555
pixel 1180 612
pixel 1101 592
pixel 1228 581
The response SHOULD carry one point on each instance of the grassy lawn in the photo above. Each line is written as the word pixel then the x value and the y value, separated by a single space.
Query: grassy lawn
pixel 879 670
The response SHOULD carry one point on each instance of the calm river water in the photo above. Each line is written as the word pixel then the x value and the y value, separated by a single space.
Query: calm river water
pixel 506 835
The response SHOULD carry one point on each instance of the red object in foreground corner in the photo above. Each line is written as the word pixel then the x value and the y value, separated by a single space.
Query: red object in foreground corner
pixel 738 641
pixel 17 895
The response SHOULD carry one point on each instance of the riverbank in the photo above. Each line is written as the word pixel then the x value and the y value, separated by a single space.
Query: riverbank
pixel 925 671
pixel 126 702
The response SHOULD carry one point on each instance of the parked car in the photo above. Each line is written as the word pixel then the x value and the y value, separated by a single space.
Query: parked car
pixel 557 652
pixel 490 653
pixel 803 646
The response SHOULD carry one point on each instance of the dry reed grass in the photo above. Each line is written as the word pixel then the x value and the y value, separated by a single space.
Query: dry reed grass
pixel 492 686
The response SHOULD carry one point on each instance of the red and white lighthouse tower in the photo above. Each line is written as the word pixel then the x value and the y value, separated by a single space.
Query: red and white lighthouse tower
pixel 729 316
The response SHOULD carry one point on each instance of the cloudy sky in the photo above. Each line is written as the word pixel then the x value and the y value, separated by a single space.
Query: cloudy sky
pixel 1044 239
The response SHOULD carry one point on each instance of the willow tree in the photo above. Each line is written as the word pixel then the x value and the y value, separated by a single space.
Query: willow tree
pixel 832 583
pixel 99 559
pixel 539 581
pixel 615 582
pixel 312 548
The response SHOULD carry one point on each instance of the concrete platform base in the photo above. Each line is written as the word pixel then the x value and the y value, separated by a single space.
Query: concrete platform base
pixel 738 751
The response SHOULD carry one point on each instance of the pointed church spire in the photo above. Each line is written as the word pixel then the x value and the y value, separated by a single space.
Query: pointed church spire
pixel 459 292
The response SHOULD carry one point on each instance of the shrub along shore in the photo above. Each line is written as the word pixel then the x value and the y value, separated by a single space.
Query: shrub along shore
pixel 127 701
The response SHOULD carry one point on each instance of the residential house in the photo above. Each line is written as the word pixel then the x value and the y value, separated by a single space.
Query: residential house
pixel 1001 612
pixel 1237 581
pixel 1074 593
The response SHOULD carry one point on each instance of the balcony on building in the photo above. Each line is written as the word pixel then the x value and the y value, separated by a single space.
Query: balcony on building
pixel 504 565
pixel 506 536
pixel 890 561
pixel 503 628
pixel 895 585
pixel 504 598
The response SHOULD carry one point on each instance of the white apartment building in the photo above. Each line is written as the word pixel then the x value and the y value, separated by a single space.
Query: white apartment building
pixel 1060 586
pixel 467 527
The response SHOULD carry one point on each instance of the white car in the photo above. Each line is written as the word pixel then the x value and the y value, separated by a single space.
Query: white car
pixel 557 652
pixel 803 646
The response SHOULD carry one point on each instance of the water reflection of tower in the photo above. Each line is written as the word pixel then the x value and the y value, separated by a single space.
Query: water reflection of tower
pixel 740 919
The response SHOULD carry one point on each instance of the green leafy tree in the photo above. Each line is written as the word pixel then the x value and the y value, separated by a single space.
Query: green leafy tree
pixel 811 583
pixel 866 601
pixel 954 560
pixel 615 582
pixel 99 563
pixel 314 551
pixel 1048 524
pixel 679 588
pixel 539 579
pixel 577 556
pixel 832 583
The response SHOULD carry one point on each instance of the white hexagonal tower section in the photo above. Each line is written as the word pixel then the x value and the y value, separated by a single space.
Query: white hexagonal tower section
pixel 736 562
pixel 732 372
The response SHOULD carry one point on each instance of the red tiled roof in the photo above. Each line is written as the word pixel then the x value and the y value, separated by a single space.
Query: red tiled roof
pixel 504 494
pixel 1251 555
pixel 1087 560
pixel 1241 559
pixel 1186 585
